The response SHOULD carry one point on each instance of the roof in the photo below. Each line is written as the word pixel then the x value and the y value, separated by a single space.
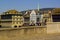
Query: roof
pixel 56 10
pixel 36 10
pixel 27 14
pixel 12 12
pixel 28 11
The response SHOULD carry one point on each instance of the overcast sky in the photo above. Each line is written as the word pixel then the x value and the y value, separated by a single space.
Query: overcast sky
pixel 27 4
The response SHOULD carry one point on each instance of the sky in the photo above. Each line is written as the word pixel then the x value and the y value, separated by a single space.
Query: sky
pixel 22 5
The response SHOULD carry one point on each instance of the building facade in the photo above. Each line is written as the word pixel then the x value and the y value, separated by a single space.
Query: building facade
pixel 33 18
pixel 26 18
pixel 12 18
pixel 56 15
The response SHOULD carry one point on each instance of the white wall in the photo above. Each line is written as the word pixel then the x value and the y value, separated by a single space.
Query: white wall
pixel 33 16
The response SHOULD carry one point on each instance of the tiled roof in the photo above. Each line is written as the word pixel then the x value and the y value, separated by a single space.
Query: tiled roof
pixel 36 10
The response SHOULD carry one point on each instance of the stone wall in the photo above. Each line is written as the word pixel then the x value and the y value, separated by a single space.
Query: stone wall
pixel 25 30
pixel 14 33
pixel 53 27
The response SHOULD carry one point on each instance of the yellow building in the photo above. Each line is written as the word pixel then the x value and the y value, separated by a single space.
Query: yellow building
pixel 52 15
pixel 12 18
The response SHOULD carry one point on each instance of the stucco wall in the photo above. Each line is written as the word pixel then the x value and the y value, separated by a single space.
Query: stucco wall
pixel 53 27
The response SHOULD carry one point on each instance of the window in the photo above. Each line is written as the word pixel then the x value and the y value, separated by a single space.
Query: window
pixel 15 19
pixel 56 18
pixel 18 16
pixel 20 22
pixel 38 19
pixel 15 26
pixel 18 19
pixel 16 22
pixel 15 16
pixel 19 26
pixel 0 26
pixel 13 22
pixel 6 17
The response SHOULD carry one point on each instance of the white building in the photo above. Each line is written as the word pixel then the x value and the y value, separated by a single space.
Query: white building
pixel 33 17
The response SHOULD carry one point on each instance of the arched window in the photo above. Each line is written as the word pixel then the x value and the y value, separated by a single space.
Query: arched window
pixel 15 26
